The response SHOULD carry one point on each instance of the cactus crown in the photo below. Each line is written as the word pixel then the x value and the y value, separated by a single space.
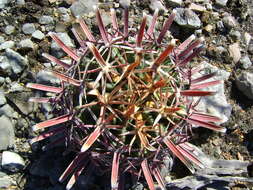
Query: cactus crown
pixel 126 100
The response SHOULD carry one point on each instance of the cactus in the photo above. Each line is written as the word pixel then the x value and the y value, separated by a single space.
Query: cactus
pixel 127 100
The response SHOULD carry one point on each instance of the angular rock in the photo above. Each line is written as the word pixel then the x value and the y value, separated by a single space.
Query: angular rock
pixel 81 7
pixel 12 162
pixel 245 62
pixel 234 51
pixel 2 98
pixel 156 4
pixel 5 66
pixel 187 18
pixel 245 84
pixel 26 44
pixel 46 20
pixel 18 62
pixel 3 3
pixel 28 28
pixel 6 133
pixel 235 35
pixel 7 44
pixel 2 39
pixel 16 87
pixel 125 3
pixel 221 3
pixel 229 21
pixel 216 104
pixel 38 35
pixel 7 111
pixel 174 3
pixel 197 8
pixel 9 29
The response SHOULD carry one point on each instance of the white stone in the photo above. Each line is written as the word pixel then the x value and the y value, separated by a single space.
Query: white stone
pixel 216 104
pixel 38 35
pixel 234 52
pixel 12 161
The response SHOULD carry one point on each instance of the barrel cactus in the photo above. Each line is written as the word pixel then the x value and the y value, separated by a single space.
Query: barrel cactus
pixel 127 100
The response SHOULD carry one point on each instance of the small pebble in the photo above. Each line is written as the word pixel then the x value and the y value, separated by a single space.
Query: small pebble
pixel 221 3
pixel 46 20
pixel 2 39
pixel 245 62
pixel 247 37
pixel 174 3
pixel 220 26
pixel 2 98
pixel 197 8
pixel 16 87
pixel 7 44
pixel 38 35
pixel 235 35
pixel 234 51
pixel 20 2
pixel 28 28
pixel 26 43
pixel 229 22
pixel 9 29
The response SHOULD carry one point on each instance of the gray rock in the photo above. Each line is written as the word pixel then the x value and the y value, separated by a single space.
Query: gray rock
pixel 20 2
pixel 229 21
pixel 28 28
pixel 235 35
pixel 234 52
pixel 26 44
pixel 45 77
pixel 245 84
pixel 250 47
pixel 46 20
pixel 64 14
pixel 2 39
pixel 7 44
pixel 81 7
pixel 220 26
pixel 38 35
pixel 167 166
pixel 125 3
pixel 12 162
pixel 217 104
pixel 2 98
pixel 209 6
pixel 246 38
pixel 5 66
pixel 18 63
pixel 156 4
pixel 7 111
pixel 245 62
pixel 9 29
pixel 221 3
pixel 16 87
pixel 1 80
pixel 174 3
pixel 3 3
pixel 56 50
pixel 7 133
pixel 5 181
pixel 187 18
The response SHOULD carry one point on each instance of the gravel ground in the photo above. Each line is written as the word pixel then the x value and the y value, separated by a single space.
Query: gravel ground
pixel 226 26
